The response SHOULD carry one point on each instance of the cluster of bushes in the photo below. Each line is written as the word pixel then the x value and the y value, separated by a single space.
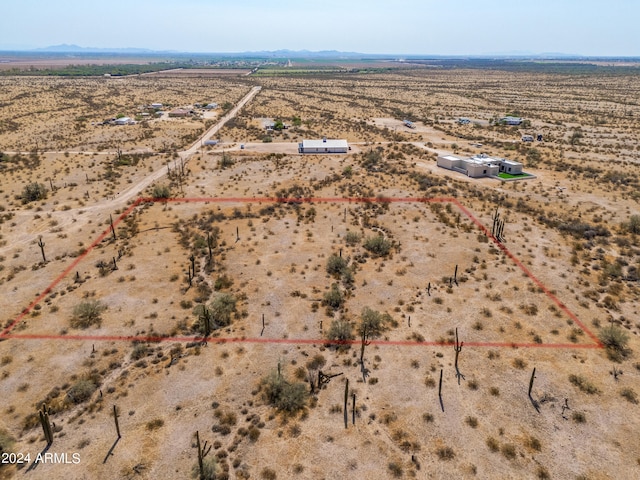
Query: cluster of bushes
pixel 282 394
pixel 87 314
pixel 32 192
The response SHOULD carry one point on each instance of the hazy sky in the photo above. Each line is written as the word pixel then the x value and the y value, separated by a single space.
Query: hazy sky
pixel 447 27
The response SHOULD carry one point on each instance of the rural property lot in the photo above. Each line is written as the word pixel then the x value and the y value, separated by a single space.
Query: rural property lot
pixel 231 296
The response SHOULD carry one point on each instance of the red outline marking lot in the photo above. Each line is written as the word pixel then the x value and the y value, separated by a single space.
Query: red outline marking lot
pixel 6 333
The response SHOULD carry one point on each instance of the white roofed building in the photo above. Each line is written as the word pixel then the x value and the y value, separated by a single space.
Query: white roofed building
pixel 323 146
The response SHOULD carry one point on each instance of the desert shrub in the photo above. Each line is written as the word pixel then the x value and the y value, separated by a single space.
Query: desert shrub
pixel 155 424
pixel 32 192
pixel 284 395
pixel 615 340
pixel 471 421
pixel 139 350
pixel 318 361
pixel 493 444
pixel 542 473
pixel 377 245
pixel 81 390
pixel 6 442
pixel 161 191
pixel 209 467
pixel 396 469
pixel 225 162
pixel 583 384
pixel 578 417
pixel 222 282
pixel 372 322
pixel 340 331
pixel 87 313
pixel 219 311
pixel 446 453
pixel 336 265
pixel 533 443
pixel 334 298
pixel 268 474
pixel 509 451
pixel 633 225
pixel 630 395
pixel 352 238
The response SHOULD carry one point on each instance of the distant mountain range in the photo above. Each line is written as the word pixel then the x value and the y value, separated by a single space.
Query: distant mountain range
pixel 322 54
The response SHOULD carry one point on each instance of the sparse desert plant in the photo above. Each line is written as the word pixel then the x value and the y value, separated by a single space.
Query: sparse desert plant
pixel 155 424
pixel 336 265
pixel 6 443
pixel 583 384
pixel 542 473
pixel 372 322
pixel 633 225
pixel 446 453
pixel 209 467
pixel 533 443
pixel 615 340
pixel 334 298
pixel 396 469
pixel 139 350
pixel 519 363
pixel 352 238
pixel 509 451
pixel 578 417
pixel 218 312
pixel 493 444
pixel 32 192
pixel 471 421
pixel 630 395
pixel 87 313
pixel 268 474
pixel 340 330
pixel 282 394
pixel 81 390
pixel 377 245
pixel 161 191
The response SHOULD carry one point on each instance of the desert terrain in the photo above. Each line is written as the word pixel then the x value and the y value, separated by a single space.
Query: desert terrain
pixel 320 316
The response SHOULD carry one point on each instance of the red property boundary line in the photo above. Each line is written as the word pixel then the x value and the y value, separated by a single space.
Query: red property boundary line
pixel 6 333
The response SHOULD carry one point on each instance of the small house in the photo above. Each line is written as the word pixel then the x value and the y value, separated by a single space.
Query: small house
pixel 211 106
pixel 156 106
pixel 323 146
pixel 122 121
pixel 180 112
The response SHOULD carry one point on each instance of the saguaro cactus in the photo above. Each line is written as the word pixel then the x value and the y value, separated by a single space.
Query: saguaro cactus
pixel 113 230
pixel 43 413
pixel 533 375
pixel 458 349
pixel 115 419
pixel 346 398
pixel 203 451
pixel 440 391
pixel 41 245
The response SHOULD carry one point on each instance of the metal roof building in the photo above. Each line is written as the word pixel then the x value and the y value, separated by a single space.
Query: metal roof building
pixel 323 146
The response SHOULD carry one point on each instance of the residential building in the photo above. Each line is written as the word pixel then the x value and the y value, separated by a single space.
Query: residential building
pixel 479 165
pixel 323 146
